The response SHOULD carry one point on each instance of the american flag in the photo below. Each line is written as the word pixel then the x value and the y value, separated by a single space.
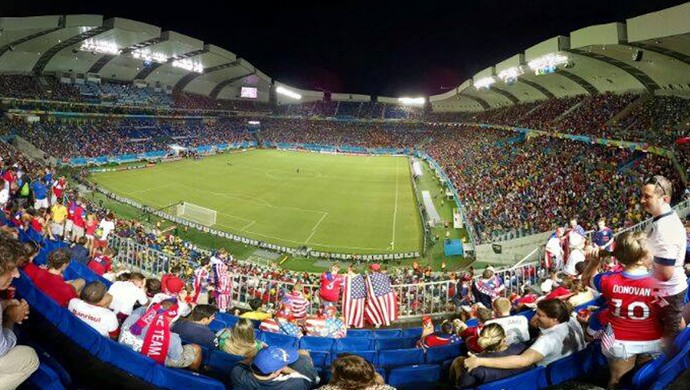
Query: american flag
pixel 607 337
pixel 354 294
pixel 382 305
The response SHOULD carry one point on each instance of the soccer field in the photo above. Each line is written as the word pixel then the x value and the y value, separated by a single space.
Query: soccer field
pixel 347 204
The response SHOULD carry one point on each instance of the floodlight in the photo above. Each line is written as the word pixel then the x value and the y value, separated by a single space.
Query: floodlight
pixel 188 65
pixel 284 91
pixel 548 63
pixel 254 122
pixel 418 101
pixel 101 47
pixel 511 74
pixel 484 82
pixel 150 56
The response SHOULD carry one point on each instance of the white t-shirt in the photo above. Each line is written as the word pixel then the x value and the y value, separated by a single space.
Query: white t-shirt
pixel 99 318
pixel 668 241
pixel 576 256
pixel 516 328
pixel 125 296
pixel 107 227
pixel 559 341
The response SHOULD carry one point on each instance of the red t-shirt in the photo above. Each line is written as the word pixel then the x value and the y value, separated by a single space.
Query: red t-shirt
pixel 31 269
pixel 55 287
pixel 632 302
pixel 100 264
pixel 470 336
pixel 78 217
pixel 91 227
pixel 330 287
pixel 559 291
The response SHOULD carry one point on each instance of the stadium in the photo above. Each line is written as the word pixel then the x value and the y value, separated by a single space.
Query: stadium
pixel 174 217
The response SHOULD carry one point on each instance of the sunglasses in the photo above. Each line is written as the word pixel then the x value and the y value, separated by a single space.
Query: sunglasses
pixel 657 182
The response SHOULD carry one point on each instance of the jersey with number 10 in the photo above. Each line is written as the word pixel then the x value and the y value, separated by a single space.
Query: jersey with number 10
pixel 635 314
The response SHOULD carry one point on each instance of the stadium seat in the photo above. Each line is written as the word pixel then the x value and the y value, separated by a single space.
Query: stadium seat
pixel 279 340
pixel 533 379
pixel 44 378
pixel 188 380
pixel 570 367
pixel 646 374
pixel 217 325
pixel 672 369
pixel 414 377
pixel 400 357
pixel 395 343
pixel 357 333
pixel 353 344
pixel 320 358
pixel 386 333
pixel 439 355
pixel 370 356
pixel 312 343
pixel 220 363
pixel 412 332
pixel 229 319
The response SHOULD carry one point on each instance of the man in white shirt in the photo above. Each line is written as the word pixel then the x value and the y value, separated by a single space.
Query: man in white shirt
pixel 561 335
pixel 554 251
pixel 516 327
pixel 127 292
pixel 4 193
pixel 668 241
pixel 103 230
pixel 92 309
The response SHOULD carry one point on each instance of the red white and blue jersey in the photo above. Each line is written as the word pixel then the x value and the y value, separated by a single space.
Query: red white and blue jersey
pixel 632 302
pixel 330 287
pixel 603 236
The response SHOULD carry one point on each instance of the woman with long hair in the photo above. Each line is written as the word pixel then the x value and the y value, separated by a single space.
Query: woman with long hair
pixel 352 372
pixel 240 340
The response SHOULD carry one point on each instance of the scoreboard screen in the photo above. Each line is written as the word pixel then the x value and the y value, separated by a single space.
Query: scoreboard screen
pixel 249 92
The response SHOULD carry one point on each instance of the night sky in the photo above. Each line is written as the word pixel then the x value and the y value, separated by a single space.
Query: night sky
pixel 370 47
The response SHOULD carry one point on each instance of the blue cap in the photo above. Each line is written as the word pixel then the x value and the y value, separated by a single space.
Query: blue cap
pixel 272 359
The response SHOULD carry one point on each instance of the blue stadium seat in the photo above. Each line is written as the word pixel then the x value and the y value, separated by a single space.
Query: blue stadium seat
pixel 414 377
pixel 386 333
pixel 312 343
pixel 533 379
pixel 370 356
pixel 45 358
pixel 383 344
pixel 352 333
pixel 220 363
pixel 412 332
pixel 353 344
pixel 44 378
pixel 439 355
pixel 321 358
pixel 229 319
pixel 217 325
pixel 672 369
pixel 570 367
pixel 188 380
pixel 400 357
pixel 279 340
pixel 646 374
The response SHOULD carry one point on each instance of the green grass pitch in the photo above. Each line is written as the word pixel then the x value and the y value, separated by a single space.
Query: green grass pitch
pixel 336 203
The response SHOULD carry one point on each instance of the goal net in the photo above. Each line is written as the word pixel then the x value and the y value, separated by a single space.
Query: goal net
pixel 195 213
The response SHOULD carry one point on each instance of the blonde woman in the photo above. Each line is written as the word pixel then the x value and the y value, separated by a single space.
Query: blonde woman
pixel 240 340
pixel 352 372
pixel 632 299
pixel 90 227
pixel 494 343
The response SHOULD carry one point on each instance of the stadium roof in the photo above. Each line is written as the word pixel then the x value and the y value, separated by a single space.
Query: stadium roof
pixel 595 59
pixel 600 58
pixel 123 49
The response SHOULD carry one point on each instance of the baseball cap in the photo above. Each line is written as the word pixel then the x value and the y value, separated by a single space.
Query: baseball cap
pixel 171 284
pixel 272 359
pixel 374 267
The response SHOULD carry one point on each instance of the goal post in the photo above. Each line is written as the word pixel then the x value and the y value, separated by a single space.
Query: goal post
pixel 196 213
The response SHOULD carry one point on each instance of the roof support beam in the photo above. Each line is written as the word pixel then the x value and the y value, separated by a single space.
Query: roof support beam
pixel 506 94
pixel 579 80
pixel 649 84
pixel 189 77
pixel 220 86
pixel 662 51
pixel 482 102
pixel 538 87
pixel 40 65
pixel 10 46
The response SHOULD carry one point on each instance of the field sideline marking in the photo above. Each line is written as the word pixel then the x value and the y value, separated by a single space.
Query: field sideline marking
pixel 395 212
pixel 313 230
